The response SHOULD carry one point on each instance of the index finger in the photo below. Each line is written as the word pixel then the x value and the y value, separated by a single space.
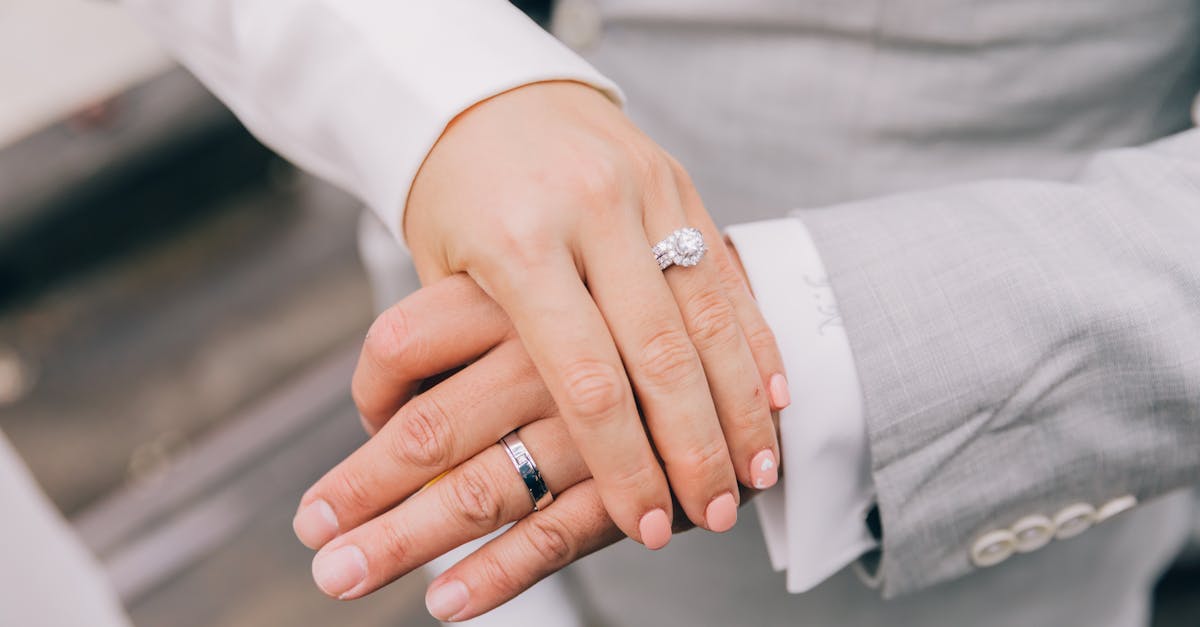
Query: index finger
pixel 434 432
pixel 444 325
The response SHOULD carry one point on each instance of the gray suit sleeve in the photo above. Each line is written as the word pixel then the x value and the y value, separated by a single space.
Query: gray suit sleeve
pixel 1022 345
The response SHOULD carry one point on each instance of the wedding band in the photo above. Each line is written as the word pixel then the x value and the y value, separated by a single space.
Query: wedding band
pixel 684 247
pixel 528 470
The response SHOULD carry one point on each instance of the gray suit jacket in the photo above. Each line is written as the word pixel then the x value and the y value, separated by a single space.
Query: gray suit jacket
pixel 1012 229
pixel 1023 345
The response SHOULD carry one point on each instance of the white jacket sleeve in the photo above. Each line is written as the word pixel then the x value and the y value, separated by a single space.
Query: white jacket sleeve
pixel 358 91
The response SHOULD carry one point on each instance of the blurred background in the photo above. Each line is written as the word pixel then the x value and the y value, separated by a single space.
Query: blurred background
pixel 180 311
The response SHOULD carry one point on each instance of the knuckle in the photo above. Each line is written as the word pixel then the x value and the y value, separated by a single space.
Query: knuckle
pixel 652 164
pixel 705 459
pixel 352 493
pixel 549 539
pixel 753 413
pixel 760 338
pixel 425 438
pixel 667 358
pixel 592 389
pixel 658 185
pixel 597 179
pixel 517 244
pixel 388 341
pixel 499 573
pixel 515 261
pixel 713 322
pixel 397 544
pixel 633 479
pixel 472 497
pixel 728 276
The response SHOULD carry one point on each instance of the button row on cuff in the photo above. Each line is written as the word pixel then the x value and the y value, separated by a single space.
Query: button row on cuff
pixel 1073 520
pixel 1035 531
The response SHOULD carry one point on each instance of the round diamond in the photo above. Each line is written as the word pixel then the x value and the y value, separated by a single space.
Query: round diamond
pixel 684 247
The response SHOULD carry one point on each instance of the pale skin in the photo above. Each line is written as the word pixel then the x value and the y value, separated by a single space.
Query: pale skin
pixel 549 198
pixel 387 525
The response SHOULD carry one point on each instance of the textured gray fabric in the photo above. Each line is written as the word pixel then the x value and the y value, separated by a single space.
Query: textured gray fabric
pixel 1023 344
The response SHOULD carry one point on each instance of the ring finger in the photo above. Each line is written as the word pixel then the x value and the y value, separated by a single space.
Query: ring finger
pixel 474 499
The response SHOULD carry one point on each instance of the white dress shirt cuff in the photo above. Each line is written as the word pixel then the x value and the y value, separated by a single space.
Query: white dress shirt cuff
pixel 358 91
pixel 814 519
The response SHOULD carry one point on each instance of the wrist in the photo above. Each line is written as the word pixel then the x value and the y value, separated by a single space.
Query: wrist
pixel 492 145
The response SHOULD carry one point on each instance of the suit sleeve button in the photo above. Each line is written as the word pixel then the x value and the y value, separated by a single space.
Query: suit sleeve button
pixel 1116 506
pixel 993 547
pixel 1073 520
pixel 1033 533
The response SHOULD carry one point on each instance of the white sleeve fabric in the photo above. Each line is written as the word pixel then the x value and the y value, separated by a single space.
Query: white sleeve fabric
pixel 358 91
pixel 814 519
pixel 48 577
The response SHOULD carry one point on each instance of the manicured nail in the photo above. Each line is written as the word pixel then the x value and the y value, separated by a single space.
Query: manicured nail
pixel 315 524
pixel 721 514
pixel 764 471
pixel 338 572
pixel 446 600
pixel 780 396
pixel 655 529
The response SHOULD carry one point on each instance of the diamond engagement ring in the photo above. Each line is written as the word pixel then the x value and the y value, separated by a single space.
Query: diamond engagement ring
pixel 523 461
pixel 684 247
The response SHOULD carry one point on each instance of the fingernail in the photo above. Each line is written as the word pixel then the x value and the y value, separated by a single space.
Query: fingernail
pixel 655 529
pixel 315 524
pixel 338 572
pixel 764 470
pixel 780 396
pixel 446 600
pixel 721 514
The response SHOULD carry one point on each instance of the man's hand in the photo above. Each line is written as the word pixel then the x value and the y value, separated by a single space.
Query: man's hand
pixel 370 517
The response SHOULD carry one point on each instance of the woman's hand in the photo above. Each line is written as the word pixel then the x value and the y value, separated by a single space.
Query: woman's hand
pixel 550 199
pixel 370 517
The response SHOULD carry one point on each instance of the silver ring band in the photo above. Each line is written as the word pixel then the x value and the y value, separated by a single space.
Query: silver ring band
pixel 528 470
pixel 684 247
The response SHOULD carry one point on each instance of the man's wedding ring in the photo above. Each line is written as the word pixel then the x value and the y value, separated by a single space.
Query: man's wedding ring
pixel 685 247
pixel 528 470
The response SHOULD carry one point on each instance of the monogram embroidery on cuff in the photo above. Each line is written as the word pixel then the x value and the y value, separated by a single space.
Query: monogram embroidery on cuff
pixel 826 307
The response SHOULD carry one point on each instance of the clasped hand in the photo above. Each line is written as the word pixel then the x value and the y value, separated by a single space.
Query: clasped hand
pixel 531 222
pixel 376 516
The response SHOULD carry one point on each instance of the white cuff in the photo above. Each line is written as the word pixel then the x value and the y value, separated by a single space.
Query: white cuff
pixel 814 519
pixel 358 91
